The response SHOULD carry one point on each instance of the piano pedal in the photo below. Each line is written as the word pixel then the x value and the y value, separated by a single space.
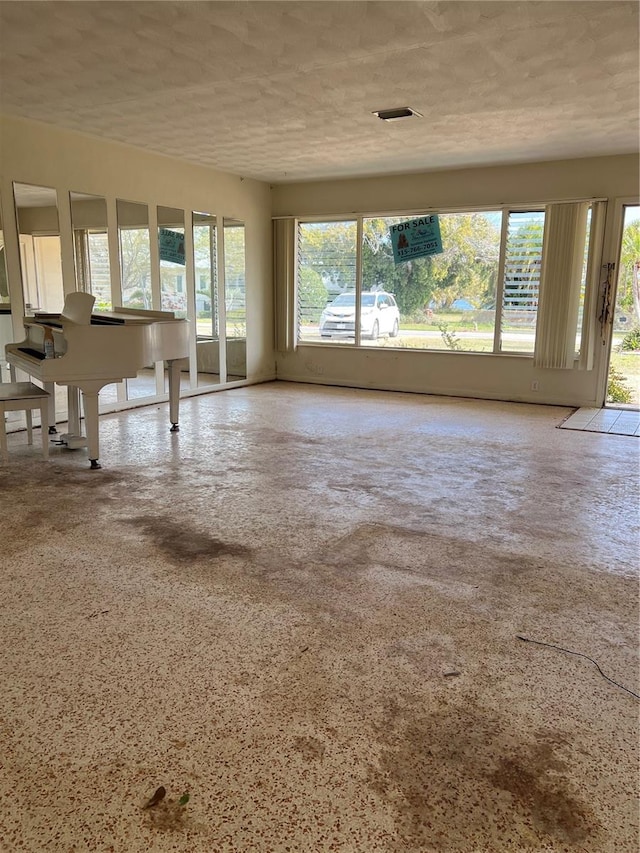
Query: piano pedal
pixel 71 441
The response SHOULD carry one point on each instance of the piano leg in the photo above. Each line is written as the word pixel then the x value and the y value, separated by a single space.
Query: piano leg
pixel 91 420
pixel 90 401
pixel 174 393
pixel 51 389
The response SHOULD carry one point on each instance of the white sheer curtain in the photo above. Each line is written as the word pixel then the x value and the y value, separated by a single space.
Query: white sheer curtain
pixel 559 299
pixel 284 277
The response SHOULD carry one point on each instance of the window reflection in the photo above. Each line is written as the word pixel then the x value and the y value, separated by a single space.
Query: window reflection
pixel 40 255
pixel 91 247
pixel 135 270
pixel 173 285
pixel 4 284
pixel 135 254
pixel 205 250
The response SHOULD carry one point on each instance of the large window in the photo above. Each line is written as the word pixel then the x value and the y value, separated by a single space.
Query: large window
pixel 453 300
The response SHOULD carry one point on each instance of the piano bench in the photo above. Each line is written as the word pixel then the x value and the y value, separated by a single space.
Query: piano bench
pixel 18 397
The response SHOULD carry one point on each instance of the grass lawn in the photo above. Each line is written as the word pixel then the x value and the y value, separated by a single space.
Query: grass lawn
pixel 628 365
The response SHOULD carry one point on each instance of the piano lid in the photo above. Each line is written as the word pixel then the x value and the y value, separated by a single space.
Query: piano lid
pixel 132 315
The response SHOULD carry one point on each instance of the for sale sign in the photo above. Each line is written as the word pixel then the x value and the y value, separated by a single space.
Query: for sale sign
pixel 171 244
pixel 416 238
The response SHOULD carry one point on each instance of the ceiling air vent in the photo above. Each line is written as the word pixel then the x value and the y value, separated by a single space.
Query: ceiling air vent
pixel 396 114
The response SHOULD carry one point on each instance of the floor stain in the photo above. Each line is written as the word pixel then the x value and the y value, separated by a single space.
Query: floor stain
pixel 554 811
pixel 182 544
pixel 276 437
pixel 310 748
pixel 455 777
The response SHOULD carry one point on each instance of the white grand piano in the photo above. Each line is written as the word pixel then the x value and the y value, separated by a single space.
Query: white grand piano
pixel 95 349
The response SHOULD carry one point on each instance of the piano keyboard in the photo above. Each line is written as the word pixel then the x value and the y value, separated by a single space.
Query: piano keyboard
pixel 33 353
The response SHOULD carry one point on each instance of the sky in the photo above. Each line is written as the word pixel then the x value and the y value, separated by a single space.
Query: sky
pixel 631 214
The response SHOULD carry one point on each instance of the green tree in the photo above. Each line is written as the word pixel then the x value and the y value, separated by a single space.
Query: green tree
pixel 468 266
pixel 135 256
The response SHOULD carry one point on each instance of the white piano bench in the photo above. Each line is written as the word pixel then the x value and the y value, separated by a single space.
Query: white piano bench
pixel 18 397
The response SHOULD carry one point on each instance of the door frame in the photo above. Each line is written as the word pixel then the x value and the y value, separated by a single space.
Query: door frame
pixel 613 252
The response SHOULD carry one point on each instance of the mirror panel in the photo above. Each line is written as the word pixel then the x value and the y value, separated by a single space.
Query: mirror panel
pixel 6 328
pixel 4 282
pixel 135 254
pixel 235 299
pixel 40 251
pixel 205 250
pixel 135 271
pixel 173 278
pixel 91 247
pixel 173 287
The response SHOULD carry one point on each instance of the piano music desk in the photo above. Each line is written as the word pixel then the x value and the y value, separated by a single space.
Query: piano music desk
pixel 23 396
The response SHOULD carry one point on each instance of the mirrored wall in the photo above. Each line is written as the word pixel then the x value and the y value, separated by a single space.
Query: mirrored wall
pixel 193 265
pixel 40 255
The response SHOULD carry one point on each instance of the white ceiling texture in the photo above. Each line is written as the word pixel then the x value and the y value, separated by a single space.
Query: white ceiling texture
pixel 284 91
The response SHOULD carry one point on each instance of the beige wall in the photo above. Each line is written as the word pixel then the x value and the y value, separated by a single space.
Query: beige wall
pixel 38 154
pixel 593 177
pixel 461 374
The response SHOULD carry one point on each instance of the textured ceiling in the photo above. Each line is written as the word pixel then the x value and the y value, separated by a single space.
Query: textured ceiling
pixel 284 91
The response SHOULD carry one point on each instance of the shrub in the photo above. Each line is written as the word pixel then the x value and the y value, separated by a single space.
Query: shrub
pixel 631 341
pixel 617 391
pixel 450 338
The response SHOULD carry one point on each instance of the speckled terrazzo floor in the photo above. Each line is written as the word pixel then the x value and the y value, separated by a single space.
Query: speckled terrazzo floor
pixel 302 610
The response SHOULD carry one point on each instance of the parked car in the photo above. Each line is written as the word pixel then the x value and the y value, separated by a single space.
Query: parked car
pixel 379 315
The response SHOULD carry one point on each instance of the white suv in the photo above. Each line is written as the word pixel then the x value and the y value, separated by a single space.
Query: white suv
pixel 379 315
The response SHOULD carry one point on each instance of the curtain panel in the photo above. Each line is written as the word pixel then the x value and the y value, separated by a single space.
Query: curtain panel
pixel 284 277
pixel 562 263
